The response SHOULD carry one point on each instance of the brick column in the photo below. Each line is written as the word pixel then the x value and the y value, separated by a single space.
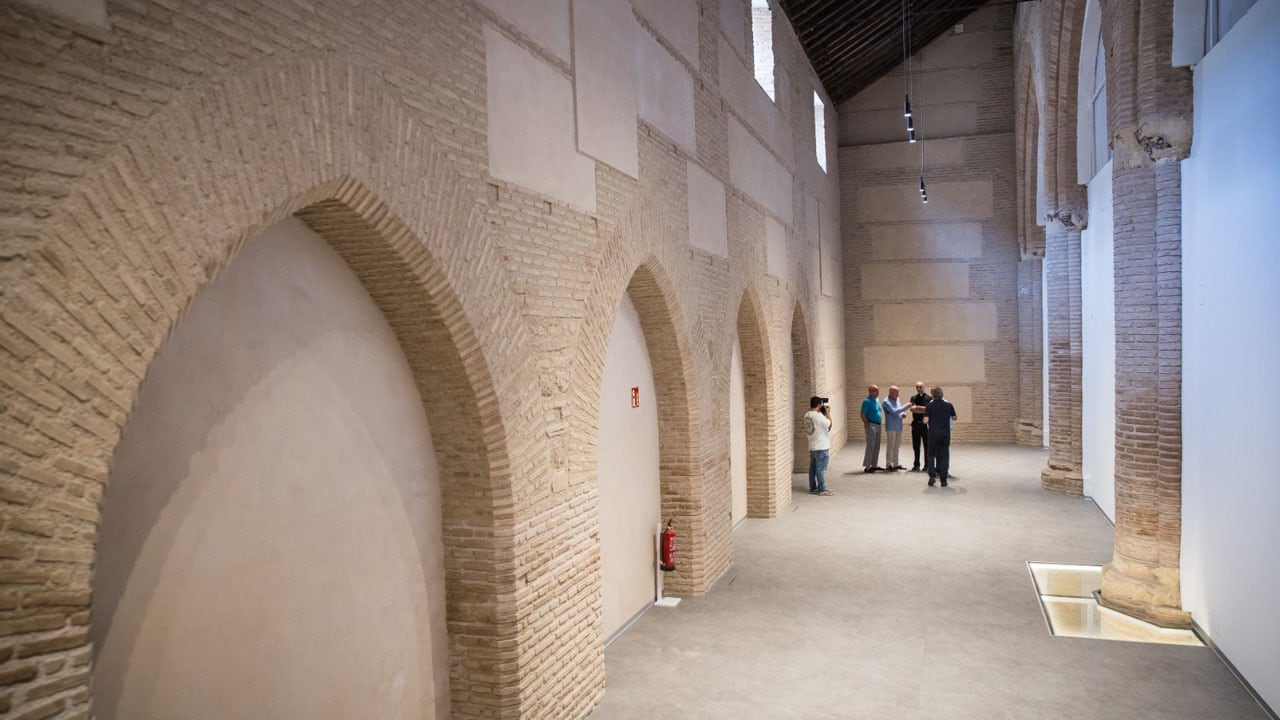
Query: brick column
pixel 1062 472
pixel 1150 117
pixel 1030 430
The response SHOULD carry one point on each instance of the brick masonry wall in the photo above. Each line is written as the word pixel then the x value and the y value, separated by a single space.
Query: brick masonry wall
pixel 138 159
pixel 973 193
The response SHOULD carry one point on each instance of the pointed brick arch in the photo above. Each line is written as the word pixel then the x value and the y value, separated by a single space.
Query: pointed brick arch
pixel 671 356
pixel 804 366
pixel 135 238
pixel 763 472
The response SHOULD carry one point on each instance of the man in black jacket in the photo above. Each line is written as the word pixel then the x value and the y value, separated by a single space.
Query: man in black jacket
pixel 939 414
pixel 919 431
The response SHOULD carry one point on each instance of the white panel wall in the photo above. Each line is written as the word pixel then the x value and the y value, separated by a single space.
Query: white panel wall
pixel 738 435
pixel 274 498
pixel 666 92
pixel 1098 338
pixel 708 223
pixel 628 470
pixel 604 58
pixel 546 22
pixel 775 239
pixel 758 173
pixel 675 20
pixel 735 23
pixel 1231 351
pixel 743 93
pixel 829 251
pixel 531 125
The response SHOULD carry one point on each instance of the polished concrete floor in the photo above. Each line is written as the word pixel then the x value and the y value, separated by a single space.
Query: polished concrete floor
pixel 896 600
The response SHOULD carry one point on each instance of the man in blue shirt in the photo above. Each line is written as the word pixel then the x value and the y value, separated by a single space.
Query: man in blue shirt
pixel 871 420
pixel 894 410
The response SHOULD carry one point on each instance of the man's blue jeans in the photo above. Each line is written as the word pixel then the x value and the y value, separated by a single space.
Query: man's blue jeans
pixel 818 460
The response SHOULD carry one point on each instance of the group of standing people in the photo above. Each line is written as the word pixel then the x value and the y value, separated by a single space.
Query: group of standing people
pixel 931 421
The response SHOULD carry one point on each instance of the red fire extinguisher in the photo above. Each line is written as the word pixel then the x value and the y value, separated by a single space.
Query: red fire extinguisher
pixel 668 548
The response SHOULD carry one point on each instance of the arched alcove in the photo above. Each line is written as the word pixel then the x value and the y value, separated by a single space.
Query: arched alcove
pixel 275 492
pixel 759 391
pixel 627 468
pixel 803 386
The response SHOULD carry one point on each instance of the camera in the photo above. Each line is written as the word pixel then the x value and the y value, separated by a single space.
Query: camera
pixel 825 401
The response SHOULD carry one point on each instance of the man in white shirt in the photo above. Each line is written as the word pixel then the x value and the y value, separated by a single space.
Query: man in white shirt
pixel 817 423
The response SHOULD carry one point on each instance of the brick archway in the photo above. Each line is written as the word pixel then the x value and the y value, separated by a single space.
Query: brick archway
pixel 804 367
pixel 638 260
pixel 118 260
pixel 763 471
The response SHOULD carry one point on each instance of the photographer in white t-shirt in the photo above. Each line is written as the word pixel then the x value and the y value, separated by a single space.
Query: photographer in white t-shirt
pixel 817 424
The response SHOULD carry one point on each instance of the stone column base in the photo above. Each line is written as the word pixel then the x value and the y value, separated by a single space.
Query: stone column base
pixel 1064 481
pixel 1029 433
pixel 1150 594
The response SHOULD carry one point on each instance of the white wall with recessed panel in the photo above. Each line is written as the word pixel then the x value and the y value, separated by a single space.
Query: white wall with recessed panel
pixel 1230 351
pixel 627 468
pixel 738 435
pixel 274 498
pixel 1098 347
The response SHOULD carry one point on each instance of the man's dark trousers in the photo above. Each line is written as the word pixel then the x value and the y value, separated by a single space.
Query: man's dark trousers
pixel 920 441
pixel 938 461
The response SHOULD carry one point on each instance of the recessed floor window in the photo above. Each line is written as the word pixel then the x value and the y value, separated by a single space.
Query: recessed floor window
pixel 1071 610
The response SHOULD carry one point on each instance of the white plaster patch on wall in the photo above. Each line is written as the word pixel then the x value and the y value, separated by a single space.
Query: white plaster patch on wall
pixel 604 58
pixel 833 359
pixel 830 319
pixel 936 364
pixel 546 22
pixel 907 322
pixel 734 23
pixel 531 125
pixel 739 88
pixel 86 12
pixel 665 91
pixel 708 225
pixel 927 241
pixel 675 20
pixel 758 173
pixel 775 242
pixel 915 281
pixel 829 250
pixel 811 226
pixel 945 151
pixel 971 200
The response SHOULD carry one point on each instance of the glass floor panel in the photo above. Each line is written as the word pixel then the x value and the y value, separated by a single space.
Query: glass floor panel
pixel 1071 610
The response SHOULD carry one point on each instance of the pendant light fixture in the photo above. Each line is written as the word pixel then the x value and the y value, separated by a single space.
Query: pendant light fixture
pixel 906 73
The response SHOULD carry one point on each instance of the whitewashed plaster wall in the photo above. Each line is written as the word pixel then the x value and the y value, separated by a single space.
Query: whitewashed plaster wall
pixel 737 435
pixel 1098 347
pixel 275 495
pixel 627 466
pixel 1230 496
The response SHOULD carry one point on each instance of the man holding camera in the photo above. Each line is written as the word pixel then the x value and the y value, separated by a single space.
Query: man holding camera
pixel 817 423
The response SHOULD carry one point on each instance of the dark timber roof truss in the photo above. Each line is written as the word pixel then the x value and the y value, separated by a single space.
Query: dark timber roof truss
pixel 852 43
